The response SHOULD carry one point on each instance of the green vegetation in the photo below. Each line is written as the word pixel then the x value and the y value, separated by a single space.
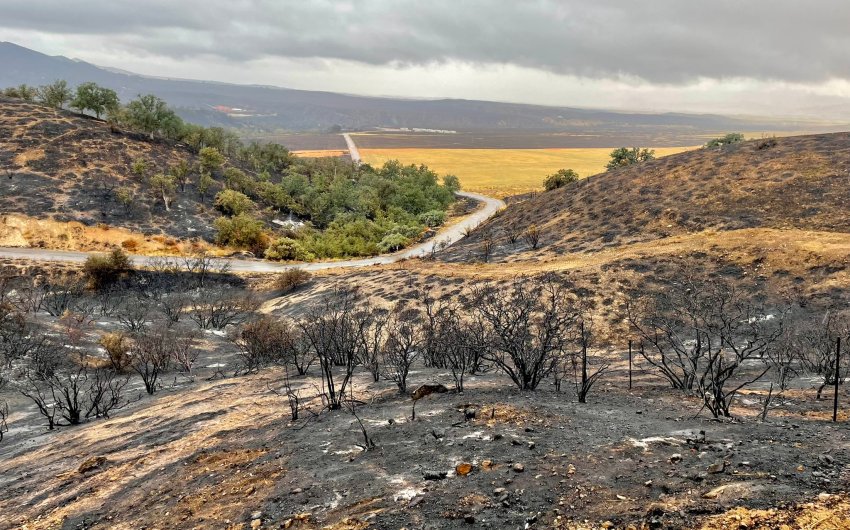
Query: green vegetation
pixel 55 95
pixel 625 157
pixel 731 138
pixel 287 249
pixel 346 210
pixel 242 231
pixel 231 202
pixel 560 179
pixel 96 99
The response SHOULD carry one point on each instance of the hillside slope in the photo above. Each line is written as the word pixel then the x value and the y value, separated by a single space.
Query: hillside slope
pixel 57 165
pixel 787 183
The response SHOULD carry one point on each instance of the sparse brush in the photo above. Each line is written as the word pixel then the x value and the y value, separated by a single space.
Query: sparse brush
pixel 291 279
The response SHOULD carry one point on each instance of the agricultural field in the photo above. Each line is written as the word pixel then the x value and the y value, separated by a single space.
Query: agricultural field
pixel 503 172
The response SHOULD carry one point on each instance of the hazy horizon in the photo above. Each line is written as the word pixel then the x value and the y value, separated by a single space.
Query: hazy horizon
pixel 670 56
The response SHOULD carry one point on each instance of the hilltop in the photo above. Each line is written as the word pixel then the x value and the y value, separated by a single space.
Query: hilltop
pixel 793 183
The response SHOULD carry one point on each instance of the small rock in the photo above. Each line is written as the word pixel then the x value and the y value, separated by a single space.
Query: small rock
pixel 257 515
pixel 648 483
pixel 415 501
pixel 295 491
pixel 717 467
pixel 469 519
pixel 91 464
pixel 498 491
pixel 463 469
pixel 531 445
pixel 676 457
pixel 436 475
pixel 607 524
pixel 826 459
pixel 571 469
pixel 486 464
pixel 255 524
pixel 519 468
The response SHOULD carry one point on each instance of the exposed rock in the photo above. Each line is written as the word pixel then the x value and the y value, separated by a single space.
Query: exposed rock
pixel 717 467
pixel 91 464
pixel 519 468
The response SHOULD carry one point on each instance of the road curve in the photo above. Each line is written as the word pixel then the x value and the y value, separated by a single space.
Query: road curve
pixel 353 152
pixel 448 235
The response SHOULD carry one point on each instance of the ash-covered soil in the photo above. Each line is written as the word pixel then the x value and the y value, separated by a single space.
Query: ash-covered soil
pixel 225 454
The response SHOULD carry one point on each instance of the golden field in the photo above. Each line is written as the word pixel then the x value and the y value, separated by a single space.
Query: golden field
pixel 503 172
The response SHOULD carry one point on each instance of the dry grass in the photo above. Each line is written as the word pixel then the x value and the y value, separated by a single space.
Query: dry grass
pixel 503 172
pixel 23 231
pixel 321 153
pixel 800 183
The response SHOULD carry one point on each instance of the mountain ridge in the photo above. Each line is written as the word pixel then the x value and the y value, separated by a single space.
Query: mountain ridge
pixel 281 108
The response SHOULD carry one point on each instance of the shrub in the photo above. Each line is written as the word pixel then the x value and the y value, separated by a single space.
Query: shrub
pixel 288 249
pixel 117 347
pixel 242 231
pixel 560 179
pixel 230 202
pixel 130 244
pixel 626 157
pixel 101 270
pixel 292 279
pixel 392 242
pixel 731 138
pixel 433 218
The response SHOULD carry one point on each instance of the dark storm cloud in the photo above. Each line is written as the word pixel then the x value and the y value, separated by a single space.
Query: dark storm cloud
pixel 662 41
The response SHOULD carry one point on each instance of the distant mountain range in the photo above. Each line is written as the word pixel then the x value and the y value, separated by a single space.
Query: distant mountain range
pixel 274 109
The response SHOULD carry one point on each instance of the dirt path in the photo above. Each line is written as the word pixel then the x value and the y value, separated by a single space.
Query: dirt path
pixel 352 148
pixel 447 236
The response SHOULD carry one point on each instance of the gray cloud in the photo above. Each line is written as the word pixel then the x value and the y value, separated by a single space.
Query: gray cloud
pixel 662 41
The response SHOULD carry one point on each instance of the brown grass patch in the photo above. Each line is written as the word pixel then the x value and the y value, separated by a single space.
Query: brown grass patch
pixel 831 513
pixel 24 231
pixel 31 155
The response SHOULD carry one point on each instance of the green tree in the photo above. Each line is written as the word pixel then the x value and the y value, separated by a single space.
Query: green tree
pixel 560 179
pixel 181 173
pixel 231 202
pixel 625 157
pixel 139 167
pixel 210 160
pixel 97 99
pixel 56 94
pixel 24 92
pixel 451 182
pixel 205 182
pixel 731 138
pixel 150 115
pixel 125 197
pixel 163 187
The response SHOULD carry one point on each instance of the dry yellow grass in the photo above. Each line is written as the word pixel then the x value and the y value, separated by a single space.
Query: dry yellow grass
pixel 503 172
pixel 320 153
pixel 28 232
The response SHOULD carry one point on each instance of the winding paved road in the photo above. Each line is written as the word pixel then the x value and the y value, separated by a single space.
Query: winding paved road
pixel 448 235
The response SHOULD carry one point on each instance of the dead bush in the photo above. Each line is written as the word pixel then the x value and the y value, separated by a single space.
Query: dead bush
pixel 117 346
pixel 291 279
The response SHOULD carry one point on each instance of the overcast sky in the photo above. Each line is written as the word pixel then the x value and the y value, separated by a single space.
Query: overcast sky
pixel 783 57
